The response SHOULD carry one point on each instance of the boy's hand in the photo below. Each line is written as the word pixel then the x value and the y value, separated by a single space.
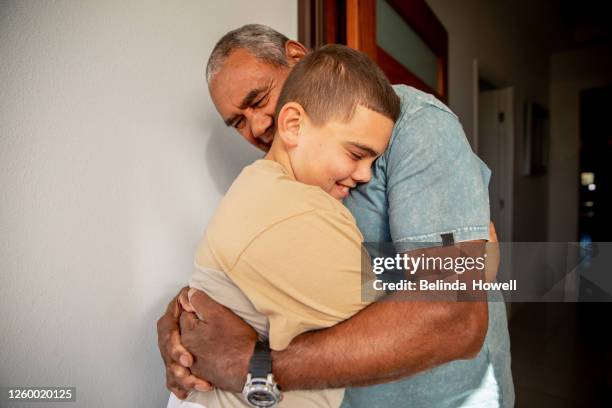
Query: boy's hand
pixel 493 255
pixel 221 343
pixel 492 232
pixel 177 359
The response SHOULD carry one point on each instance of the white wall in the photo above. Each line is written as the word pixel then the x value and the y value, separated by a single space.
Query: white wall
pixel 112 159
pixel 512 42
pixel 571 72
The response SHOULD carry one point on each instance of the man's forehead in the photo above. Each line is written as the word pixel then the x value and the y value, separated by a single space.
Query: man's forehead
pixel 233 97
pixel 240 66
pixel 232 84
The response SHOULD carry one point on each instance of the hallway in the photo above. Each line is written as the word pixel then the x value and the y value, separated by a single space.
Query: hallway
pixel 562 355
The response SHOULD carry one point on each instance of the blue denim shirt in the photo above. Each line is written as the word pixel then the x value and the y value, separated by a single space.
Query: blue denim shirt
pixel 428 183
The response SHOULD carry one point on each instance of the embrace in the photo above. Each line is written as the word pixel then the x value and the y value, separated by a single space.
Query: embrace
pixel 275 314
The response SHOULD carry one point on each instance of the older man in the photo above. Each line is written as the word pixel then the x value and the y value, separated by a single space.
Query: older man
pixel 428 187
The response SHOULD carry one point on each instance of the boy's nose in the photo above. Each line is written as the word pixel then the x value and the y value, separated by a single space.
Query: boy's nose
pixel 363 174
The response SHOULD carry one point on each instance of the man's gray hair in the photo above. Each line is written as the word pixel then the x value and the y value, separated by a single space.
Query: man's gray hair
pixel 265 43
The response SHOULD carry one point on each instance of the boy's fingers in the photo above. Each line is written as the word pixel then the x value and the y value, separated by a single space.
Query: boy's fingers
pixel 492 233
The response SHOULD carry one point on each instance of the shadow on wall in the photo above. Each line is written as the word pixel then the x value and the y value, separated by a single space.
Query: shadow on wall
pixel 226 153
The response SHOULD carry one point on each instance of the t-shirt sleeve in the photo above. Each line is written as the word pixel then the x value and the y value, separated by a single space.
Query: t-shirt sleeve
pixel 304 273
pixel 436 185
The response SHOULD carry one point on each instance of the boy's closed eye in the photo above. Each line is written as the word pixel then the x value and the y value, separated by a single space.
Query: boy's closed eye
pixel 356 156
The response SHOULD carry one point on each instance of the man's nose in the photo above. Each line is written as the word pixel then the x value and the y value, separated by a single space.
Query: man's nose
pixel 363 173
pixel 259 124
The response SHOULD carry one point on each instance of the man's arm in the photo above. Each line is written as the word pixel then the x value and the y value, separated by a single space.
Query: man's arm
pixel 365 349
pixel 376 345
pixel 371 347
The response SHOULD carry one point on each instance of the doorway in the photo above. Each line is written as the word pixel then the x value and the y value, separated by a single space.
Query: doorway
pixel 595 183
pixel 496 148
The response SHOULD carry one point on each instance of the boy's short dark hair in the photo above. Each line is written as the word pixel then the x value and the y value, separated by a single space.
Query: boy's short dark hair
pixel 331 81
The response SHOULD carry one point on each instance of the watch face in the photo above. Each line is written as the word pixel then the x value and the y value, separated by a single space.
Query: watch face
pixel 261 398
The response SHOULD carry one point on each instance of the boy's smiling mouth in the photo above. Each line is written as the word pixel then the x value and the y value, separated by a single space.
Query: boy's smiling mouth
pixel 343 190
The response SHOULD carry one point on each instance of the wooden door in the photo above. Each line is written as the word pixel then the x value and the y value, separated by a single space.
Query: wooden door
pixel 404 37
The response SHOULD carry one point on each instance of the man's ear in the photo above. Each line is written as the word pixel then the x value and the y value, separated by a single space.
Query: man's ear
pixel 294 51
pixel 290 120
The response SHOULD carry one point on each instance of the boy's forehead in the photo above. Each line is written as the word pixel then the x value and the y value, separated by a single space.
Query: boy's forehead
pixel 366 130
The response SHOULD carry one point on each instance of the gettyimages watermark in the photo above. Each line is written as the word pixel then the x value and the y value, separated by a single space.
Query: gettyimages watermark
pixel 519 271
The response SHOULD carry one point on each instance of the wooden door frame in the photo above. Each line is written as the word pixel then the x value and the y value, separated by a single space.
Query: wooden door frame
pixel 321 22
pixel 353 23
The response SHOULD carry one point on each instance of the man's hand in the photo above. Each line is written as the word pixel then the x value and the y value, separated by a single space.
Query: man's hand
pixel 222 344
pixel 177 359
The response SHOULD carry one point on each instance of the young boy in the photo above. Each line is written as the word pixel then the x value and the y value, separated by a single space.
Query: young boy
pixel 281 250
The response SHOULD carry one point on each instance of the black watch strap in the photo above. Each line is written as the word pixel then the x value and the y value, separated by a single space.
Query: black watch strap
pixel 261 362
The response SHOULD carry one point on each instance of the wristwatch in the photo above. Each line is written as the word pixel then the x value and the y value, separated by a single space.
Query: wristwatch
pixel 260 389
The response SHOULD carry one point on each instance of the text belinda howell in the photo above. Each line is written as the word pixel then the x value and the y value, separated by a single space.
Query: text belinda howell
pixel 439 285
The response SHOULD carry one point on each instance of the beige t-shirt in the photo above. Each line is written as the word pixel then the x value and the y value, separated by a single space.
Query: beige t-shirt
pixel 293 250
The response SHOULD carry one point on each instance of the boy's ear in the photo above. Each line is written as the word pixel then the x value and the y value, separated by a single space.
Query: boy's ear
pixel 290 119
pixel 294 51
